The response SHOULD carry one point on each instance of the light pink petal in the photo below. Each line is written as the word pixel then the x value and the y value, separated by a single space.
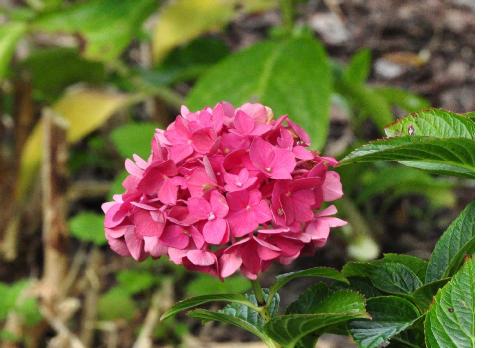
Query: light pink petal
pixel 115 215
pixel 283 165
pixel 118 246
pixel 229 264
pixel 262 155
pixel 168 192
pixel 134 245
pixel 201 257
pixel 330 210
pixel 219 204
pixel 262 212
pixel 302 153
pixel 215 232
pixel 175 236
pixel 242 222
pixel 132 168
pixel 243 123
pixel 332 187
pixel 145 225
pixel 203 140
pixel 180 152
pixel 198 208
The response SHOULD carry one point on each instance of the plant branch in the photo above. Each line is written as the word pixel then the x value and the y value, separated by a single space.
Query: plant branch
pixel 287 13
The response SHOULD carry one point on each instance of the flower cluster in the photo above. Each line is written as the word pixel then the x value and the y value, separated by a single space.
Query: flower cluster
pixel 225 189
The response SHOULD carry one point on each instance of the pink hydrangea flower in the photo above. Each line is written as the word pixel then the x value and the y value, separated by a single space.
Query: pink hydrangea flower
pixel 225 189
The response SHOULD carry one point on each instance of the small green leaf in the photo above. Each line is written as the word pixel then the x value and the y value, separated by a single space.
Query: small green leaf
pixel 291 76
pixel 450 320
pixel 208 285
pixel 358 69
pixel 390 316
pixel 416 264
pixel 116 304
pixel 200 300
pixel 452 156
pixel 10 33
pixel 88 227
pixel 395 278
pixel 321 272
pixel 231 320
pixel 105 26
pixel 456 241
pixel 135 281
pixel 117 184
pixel 17 297
pixel 134 138
pixel 433 123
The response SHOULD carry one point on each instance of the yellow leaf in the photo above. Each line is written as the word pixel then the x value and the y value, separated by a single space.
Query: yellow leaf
pixel 85 110
pixel 182 20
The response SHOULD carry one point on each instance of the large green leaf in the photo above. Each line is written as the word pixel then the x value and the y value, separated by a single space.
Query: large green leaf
pixel 105 26
pixel 289 330
pixel 88 227
pixel 390 316
pixel 231 320
pixel 116 304
pixel 415 264
pixel 10 33
pixel 321 272
pixel 450 320
pixel 404 99
pixel 450 249
pixel 434 123
pixel 134 138
pixel 292 77
pixel 200 300
pixel 359 66
pixel 424 296
pixel 453 156
pixel 395 278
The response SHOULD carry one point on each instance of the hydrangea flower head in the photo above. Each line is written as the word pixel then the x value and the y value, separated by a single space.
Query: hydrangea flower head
pixel 225 189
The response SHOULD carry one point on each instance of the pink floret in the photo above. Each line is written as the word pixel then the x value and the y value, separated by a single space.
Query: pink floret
pixel 223 190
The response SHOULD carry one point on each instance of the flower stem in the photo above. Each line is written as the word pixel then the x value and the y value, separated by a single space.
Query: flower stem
pixel 258 292
pixel 287 13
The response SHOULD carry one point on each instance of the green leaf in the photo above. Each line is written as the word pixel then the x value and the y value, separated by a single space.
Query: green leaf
pixel 105 26
pixel 395 278
pixel 321 272
pixel 450 320
pixel 453 156
pixel 116 304
pixel 292 77
pixel 200 300
pixel 406 100
pixel 54 69
pixel 456 241
pixel 88 227
pixel 416 264
pixel 231 320
pixel 17 297
pixel 289 330
pixel 424 296
pixel 390 316
pixel 320 298
pixel 10 33
pixel 433 123
pixel 358 69
pixel 134 281
pixel 207 285
pixel 134 138
pixel 117 184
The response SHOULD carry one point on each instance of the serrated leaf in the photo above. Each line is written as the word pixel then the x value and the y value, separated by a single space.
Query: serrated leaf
pixel 433 123
pixel 450 249
pixel 106 26
pixel 406 100
pixel 134 138
pixel 450 320
pixel 231 320
pixel 135 281
pixel 395 278
pixel 321 272
pixel 291 76
pixel 208 285
pixel 88 227
pixel 84 110
pixel 10 33
pixel 289 330
pixel 452 156
pixel 320 298
pixel 116 304
pixel 390 316
pixel 200 300
pixel 416 264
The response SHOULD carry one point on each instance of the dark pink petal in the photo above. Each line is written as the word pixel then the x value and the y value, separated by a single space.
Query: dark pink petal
pixel 134 245
pixel 203 140
pixel 175 236
pixel 118 246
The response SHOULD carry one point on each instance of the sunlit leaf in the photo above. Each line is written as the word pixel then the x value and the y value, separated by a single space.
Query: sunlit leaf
pixel 134 138
pixel 10 33
pixel 88 227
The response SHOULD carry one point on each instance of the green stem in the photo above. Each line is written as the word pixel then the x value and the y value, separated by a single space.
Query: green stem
pixel 258 292
pixel 287 13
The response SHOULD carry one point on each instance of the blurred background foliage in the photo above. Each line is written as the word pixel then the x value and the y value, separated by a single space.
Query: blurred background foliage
pixel 117 70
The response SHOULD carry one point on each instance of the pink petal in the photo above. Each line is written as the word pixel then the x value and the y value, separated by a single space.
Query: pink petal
pixel 215 232
pixel 332 187
pixel 134 245
pixel 145 225
pixel 168 193
pixel 262 155
pixel 219 204
pixel 229 264
pixel 243 123
pixel 203 140
pixel 198 208
pixel 201 257
pixel 175 236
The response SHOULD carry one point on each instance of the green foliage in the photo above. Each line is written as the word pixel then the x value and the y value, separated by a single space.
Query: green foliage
pixel 134 281
pixel 10 33
pixel 106 27
pixel 88 227
pixel 17 298
pixel 403 99
pixel 134 138
pixel 292 76
pixel 54 69
pixel 116 304
pixel 390 315
pixel 450 320
pixel 358 69
pixel 208 285
pixel 450 250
